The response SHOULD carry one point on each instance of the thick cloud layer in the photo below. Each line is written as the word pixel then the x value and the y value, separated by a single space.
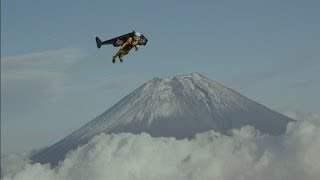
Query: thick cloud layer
pixel 245 155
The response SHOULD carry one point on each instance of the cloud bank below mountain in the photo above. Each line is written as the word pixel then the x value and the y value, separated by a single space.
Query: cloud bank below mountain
pixel 211 155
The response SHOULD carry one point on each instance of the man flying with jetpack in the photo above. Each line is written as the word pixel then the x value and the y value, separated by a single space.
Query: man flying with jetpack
pixel 126 43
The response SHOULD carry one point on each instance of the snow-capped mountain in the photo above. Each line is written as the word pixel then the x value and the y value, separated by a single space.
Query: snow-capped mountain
pixel 179 107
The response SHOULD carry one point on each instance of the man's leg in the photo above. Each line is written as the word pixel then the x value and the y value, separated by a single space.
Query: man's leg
pixel 122 54
pixel 121 57
pixel 115 56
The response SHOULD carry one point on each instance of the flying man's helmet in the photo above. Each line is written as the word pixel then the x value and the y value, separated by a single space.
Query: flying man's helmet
pixel 137 36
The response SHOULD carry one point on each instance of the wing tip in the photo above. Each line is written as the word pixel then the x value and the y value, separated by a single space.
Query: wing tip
pixel 98 42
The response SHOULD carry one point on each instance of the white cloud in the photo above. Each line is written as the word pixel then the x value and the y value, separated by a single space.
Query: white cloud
pixel 13 163
pixel 245 155
pixel 49 58
pixel 298 115
pixel 39 77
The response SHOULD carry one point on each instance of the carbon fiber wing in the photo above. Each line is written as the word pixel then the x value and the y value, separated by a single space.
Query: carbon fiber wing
pixel 118 41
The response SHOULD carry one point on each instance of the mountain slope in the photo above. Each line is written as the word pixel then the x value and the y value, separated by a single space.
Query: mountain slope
pixel 180 107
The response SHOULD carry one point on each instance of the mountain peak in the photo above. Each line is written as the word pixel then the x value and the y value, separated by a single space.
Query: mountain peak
pixel 194 75
pixel 177 106
pixel 197 75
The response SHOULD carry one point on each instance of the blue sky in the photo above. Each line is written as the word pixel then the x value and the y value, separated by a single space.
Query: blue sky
pixel 54 79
